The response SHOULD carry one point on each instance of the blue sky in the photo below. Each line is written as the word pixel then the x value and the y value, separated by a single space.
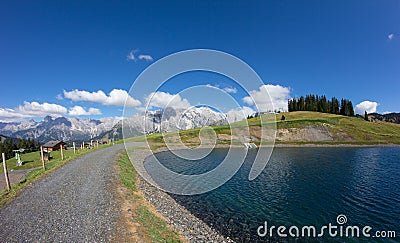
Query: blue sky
pixel 346 49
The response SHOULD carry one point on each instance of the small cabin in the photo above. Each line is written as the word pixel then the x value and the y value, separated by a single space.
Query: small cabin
pixel 2 138
pixel 103 141
pixel 54 146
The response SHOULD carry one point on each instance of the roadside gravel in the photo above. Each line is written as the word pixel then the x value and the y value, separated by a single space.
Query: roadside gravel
pixel 75 203
pixel 178 217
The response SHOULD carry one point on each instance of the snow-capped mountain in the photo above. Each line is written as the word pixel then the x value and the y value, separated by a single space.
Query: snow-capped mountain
pixel 168 120
pixel 59 128
pixel 75 129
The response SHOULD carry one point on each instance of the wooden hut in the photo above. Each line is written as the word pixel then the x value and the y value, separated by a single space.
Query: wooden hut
pixel 54 146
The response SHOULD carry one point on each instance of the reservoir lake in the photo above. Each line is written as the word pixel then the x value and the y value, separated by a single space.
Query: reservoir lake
pixel 300 186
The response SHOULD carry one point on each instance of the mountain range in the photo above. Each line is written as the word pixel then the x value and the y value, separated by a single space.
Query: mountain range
pixel 60 128
pixel 75 129
pixel 168 120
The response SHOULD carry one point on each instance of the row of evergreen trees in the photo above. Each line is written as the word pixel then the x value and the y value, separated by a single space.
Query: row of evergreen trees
pixel 321 104
pixel 11 144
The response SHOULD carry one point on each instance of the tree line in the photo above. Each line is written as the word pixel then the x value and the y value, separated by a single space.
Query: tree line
pixel 11 144
pixel 321 104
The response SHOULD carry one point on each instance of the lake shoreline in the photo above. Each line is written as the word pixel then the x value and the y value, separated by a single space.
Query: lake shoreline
pixel 178 217
pixel 282 145
pixel 341 145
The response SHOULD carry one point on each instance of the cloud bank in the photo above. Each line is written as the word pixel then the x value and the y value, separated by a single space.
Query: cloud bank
pixel 31 110
pixel 80 111
pixel 116 97
pixel 35 109
pixel 162 99
pixel 279 98
pixel 366 106
pixel 239 114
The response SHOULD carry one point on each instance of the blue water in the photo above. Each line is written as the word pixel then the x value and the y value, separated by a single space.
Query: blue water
pixel 299 186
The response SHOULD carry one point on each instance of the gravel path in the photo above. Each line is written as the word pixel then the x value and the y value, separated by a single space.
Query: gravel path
pixel 75 203
pixel 15 177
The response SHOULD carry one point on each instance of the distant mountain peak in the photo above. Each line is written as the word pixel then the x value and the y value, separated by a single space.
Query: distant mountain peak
pixel 60 128
pixel 389 117
pixel 47 119
pixel 167 120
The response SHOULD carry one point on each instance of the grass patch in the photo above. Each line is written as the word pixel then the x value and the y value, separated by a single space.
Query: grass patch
pixel 152 226
pixel 32 160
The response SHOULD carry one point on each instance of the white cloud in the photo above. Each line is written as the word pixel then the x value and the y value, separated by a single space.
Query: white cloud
pixel 146 58
pixel 391 36
pixel 59 97
pixel 80 111
pixel 116 97
pixel 226 89
pixel 366 106
pixel 31 110
pixel 279 98
pixel 131 56
pixel 239 114
pixel 230 90
pixel 162 99
pixel 36 109
pixel 8 115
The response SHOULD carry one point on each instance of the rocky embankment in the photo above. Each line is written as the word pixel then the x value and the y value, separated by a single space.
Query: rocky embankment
pixel 180 219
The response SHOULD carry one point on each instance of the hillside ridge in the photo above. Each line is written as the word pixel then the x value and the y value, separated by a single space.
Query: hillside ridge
pixel 301 127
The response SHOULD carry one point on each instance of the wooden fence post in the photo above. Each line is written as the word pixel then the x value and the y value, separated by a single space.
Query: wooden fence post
pixel 41 155
pixel 62 155
pixel 6 172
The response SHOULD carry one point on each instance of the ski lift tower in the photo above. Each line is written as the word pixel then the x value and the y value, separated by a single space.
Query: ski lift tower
pixel 18 155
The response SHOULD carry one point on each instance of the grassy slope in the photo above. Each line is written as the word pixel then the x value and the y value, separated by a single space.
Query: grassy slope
pixel 359 130
pixel 152 227
pixel 345 130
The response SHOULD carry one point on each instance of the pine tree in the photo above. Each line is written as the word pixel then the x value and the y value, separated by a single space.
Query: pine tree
pixel 335 106
pixel 366 116
pixel 350 109
pixel 301 104
pixel 342 107
pixel 290 105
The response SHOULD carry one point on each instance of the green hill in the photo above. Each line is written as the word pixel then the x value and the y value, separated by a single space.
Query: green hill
pixel 340 129
pixel 300 127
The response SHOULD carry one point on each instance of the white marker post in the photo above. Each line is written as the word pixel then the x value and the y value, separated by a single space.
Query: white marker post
pixel 73 144
pixel 6 172
pixel 62 155
pixel 41 155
